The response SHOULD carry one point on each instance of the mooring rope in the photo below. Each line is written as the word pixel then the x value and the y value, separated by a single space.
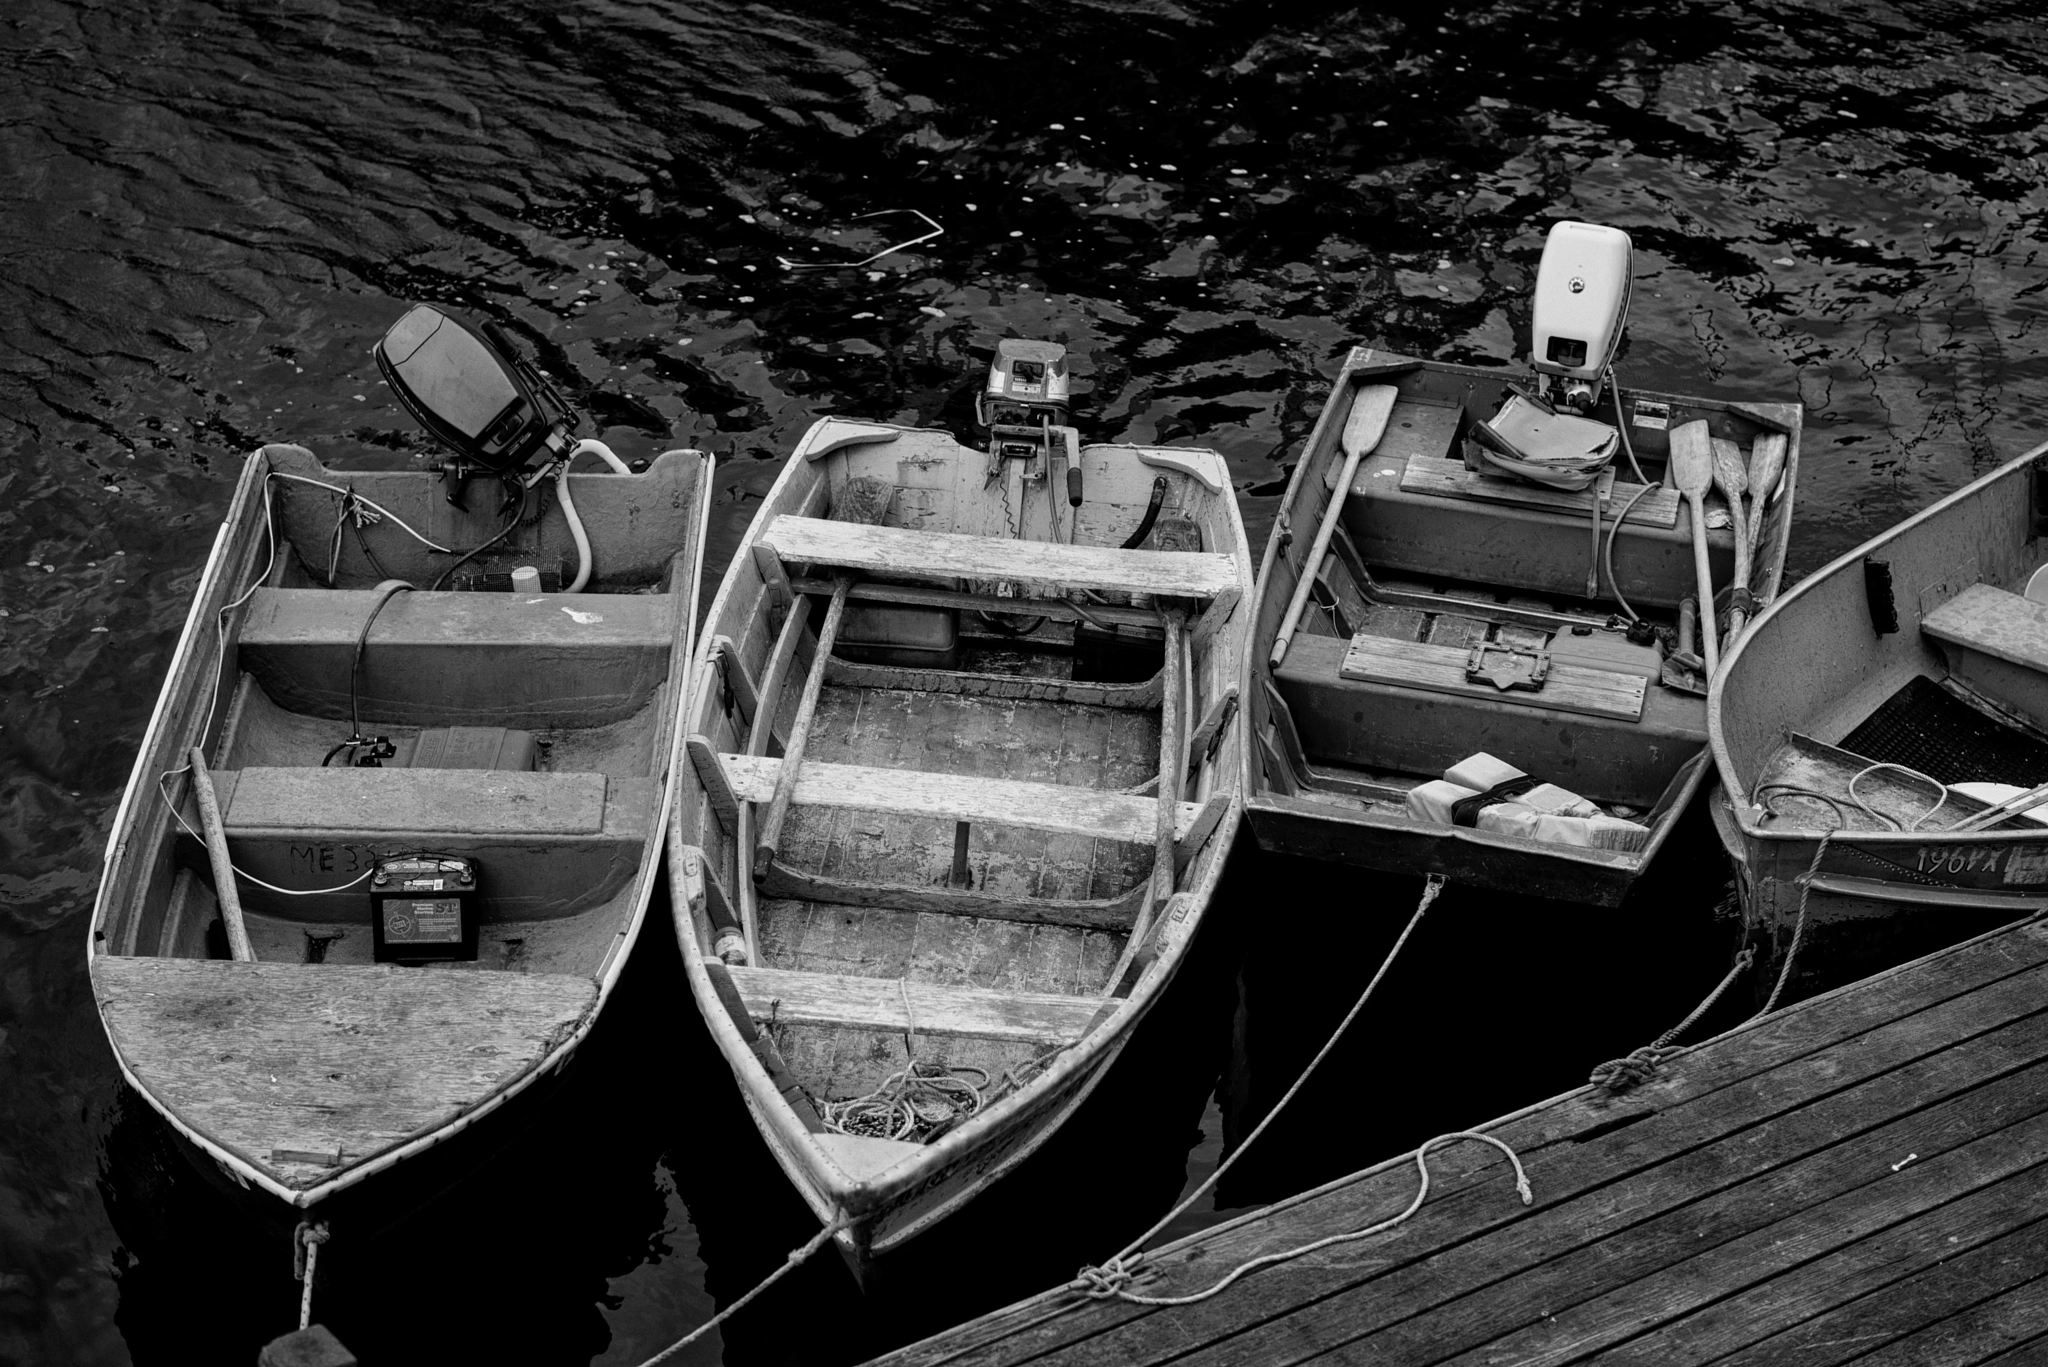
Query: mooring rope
pixel 306 1241
pixel 1640 1065
pixel 1113 1277
pixel 797 1258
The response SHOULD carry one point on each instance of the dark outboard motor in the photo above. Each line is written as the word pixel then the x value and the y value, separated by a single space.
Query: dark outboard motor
pixel 476 395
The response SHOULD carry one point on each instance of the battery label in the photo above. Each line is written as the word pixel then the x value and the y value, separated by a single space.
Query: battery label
pixel 423 921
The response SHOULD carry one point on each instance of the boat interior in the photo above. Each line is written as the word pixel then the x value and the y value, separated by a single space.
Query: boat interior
pixel 1459 610
pixel 1919 663
pixel 973 849
pixel 345 724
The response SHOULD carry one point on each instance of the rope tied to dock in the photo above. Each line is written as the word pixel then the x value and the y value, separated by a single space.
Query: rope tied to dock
pixel 1640 1065
pixel 306 1241
pixel 1113 1276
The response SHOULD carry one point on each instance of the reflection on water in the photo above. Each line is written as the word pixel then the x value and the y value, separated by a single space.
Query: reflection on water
pixel 212 209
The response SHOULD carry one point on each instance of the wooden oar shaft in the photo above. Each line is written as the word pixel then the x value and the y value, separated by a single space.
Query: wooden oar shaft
pixel 1318 548
pixel 216 837
pixel 2004 808
pixel 1708 646
pixel 1370 408
pixel 770 835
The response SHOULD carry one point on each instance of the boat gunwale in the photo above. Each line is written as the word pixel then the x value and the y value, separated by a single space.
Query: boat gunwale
pixel 831 1197
pixel 1852 559
pixel 245 1171
pixel 1359 366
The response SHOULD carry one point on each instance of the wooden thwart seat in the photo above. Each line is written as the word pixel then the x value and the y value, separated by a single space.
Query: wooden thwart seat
pixel 1442 669
pixel 302 1069
pixel 785 997
pixel 960 797
pixel 478 802
pixel 1997 645
pixel 1050 566
pixel 512 659
pixel 1993 622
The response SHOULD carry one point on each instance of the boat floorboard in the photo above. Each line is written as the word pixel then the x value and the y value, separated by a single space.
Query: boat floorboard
pixel 1861 1177
pixel 274 1061
pixel 1069 743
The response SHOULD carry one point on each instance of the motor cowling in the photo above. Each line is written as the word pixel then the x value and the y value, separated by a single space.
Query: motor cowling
pixel 473 392
pixel 1581 305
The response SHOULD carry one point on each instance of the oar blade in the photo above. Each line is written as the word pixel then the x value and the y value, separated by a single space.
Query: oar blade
pixel 1692 458
pixel 1370 409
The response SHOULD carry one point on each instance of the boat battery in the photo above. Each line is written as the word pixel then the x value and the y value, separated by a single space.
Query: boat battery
pixel 423 908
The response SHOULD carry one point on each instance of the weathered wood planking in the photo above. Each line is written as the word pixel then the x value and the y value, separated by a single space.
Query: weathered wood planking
pixel 789 998
pixel 1441 669
pixel 1994 622
pixel 959 797
pixel 472 801
pixel 1761 1184
pixel 1450 479
pixel 334 1058
pixel 1057 567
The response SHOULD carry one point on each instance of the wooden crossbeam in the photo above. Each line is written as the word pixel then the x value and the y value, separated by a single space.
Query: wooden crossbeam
pixel 961 797
pixel 950 555
pixel 786 997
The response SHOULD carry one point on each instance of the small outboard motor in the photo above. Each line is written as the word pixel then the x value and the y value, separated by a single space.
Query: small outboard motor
pixel 1582 294
pixel 476 395
pixel 1023 406
pixel 1028 386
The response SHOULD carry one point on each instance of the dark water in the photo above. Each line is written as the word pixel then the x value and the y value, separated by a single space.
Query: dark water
pixel 212 210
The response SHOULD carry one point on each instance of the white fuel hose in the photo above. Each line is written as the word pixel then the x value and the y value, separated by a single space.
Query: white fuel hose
pixel 575 529
pixel 589 446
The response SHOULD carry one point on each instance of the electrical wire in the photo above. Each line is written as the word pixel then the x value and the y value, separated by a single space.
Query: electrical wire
pixel 1629 449
pixel 380 508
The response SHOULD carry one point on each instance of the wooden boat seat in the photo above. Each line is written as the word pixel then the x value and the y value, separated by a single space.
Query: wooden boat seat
pixel 303 1069
pixel 551 844
pixel 519 660
pixel 786 997
pixel 1997 643
pixel 960 797
pixel 1049 568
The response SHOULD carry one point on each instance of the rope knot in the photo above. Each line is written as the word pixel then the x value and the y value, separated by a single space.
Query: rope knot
pixel 1624 1074
pixel 1110 1279
pixel 307 1235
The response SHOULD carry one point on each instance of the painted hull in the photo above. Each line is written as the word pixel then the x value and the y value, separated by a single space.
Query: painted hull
pixel 1815 665
pixel 1331 757
pixel 258 1047
pixel 884 1210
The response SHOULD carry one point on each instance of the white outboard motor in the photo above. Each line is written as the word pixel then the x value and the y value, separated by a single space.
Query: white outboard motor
pixel 1582 292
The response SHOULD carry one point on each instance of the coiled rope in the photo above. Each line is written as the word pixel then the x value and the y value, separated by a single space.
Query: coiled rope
pixel 1639 1066
pixel 1113 1277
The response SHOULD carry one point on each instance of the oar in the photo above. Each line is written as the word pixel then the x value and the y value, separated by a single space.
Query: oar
pixel 1362 431
pixel 1766 468
pixel 2004 810
pixel 1731 477
pixel 1692 473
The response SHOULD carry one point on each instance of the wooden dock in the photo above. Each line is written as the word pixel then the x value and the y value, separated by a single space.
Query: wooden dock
pixel 1861 1177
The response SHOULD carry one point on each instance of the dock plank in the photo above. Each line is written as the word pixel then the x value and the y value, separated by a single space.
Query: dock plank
pixel 1860 1059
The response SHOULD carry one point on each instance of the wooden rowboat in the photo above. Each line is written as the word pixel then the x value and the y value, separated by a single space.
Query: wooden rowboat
pixel 526 736
pixel 1439 577
pixel 1921 648
pixel 962 778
